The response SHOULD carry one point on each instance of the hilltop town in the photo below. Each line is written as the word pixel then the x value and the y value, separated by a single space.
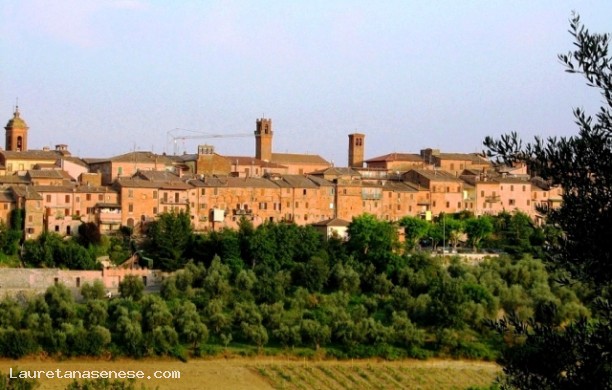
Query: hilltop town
pixel 60 191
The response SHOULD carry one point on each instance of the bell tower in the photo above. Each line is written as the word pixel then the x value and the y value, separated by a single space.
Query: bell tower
pixel 356 150
pixel 16 133
pixel 263 139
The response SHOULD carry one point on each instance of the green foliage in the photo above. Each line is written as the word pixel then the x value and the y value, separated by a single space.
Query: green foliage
pixel 548 353
pixel 131 287
pixel 478 229
pixel 89 234
pixel 372 241
pixel 96 290
pixel 8 383
pixel 169 237
pixel 415 229
pixel 50 250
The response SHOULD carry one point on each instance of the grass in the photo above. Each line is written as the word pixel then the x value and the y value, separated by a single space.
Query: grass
pixel 275 372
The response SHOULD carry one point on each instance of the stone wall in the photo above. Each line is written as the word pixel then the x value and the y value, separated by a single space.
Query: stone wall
pixel 15 281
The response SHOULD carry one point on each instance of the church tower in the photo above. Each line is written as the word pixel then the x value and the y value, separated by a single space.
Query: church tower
pixel 16 133
pixel 356 150
pixel 263 139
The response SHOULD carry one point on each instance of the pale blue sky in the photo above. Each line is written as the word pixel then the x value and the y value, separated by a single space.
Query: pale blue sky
pixel 108 77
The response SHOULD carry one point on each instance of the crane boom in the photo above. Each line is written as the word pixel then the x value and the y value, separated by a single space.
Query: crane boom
pixel 199 135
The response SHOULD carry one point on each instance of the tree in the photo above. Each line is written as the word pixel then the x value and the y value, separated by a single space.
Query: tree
pixel 478 229
pixel 169 238
pixel 89 234
pixel 415 229
pixel 371 240
pixel 578 355
pixel 131 287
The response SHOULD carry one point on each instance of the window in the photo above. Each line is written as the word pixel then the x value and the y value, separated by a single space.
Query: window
pixel 447 204
pixel 528 202
pixel 67 198
pixel 458 205
pixel 524 188
pixel 511 202
pixel 88 197
pixel 100 197
pixel 130 193
pixel 154 210
pixel 119 170
pixel 297 205
pixel 131 207
pixel 481 193
pixel 434 203
pixel 30 218
pixel 48 198
pixel 78 282
pixel 399 207
pixel 66 212
pixel 202 192
pixel 304 192
pixel 511 188
pixel 216 191
pixel 306 204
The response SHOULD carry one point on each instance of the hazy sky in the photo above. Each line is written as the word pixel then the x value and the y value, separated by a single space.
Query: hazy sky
pixel 107 77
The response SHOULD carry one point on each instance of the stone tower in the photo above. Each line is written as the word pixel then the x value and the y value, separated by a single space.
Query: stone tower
pixel 263 139
pixel 356 150
pixel 16 133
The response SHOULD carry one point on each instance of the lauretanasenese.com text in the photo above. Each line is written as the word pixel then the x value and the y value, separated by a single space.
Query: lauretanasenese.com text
pixel 92 374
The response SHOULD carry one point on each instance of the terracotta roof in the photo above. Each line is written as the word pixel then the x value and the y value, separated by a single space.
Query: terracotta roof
pixel 397 157
pixel 75 160
pixel 6 196
pixel 26 192
pixel 473 157
pixel 133 157
pixel 402 186
pixel 296 181
pixel 332 222
pixel 44 174
pixel 319 181
pixel 13 179
pixel 157 175
pixel 436 174
pixel 336 171
pixel 31 155
pixel 251 182
pixel 293 158
pixel 62 188
pixel 245 160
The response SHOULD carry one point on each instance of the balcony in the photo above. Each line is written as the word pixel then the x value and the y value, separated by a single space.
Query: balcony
pixel 241 212
pixel 492 199
pixel 109 218
pixel 168 201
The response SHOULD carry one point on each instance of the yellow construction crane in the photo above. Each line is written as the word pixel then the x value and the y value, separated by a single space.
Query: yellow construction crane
pixel 178 134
